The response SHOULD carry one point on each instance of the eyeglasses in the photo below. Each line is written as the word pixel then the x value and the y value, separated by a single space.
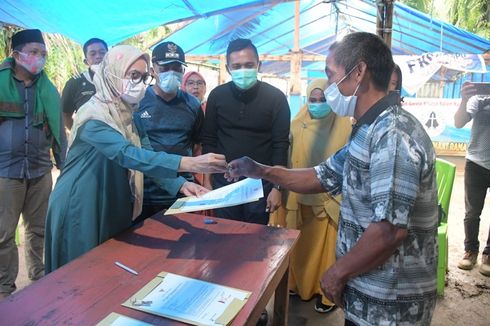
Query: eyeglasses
pixel 198 83
pixel 137 77
pixel 35 53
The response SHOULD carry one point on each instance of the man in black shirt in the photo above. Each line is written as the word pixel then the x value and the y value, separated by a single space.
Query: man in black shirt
pixel 79 89
pixel 247 117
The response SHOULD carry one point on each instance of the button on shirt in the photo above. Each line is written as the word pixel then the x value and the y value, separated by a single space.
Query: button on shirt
pixel 386 172
pixel 24 148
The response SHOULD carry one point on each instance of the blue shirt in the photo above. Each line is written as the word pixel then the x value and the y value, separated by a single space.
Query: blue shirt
pixel 172 127
pixel 24 148
pixel 386 172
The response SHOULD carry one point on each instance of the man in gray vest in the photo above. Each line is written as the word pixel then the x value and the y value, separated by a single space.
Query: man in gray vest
pixel 31 125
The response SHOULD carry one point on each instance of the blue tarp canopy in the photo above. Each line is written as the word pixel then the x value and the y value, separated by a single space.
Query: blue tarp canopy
pixel 114 21
pixel 270 25
pixel 272 31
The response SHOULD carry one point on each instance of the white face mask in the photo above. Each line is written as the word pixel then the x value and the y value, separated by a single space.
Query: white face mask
pixel 170 81
pixel 342 105
pixel 133 93
pixel 31 63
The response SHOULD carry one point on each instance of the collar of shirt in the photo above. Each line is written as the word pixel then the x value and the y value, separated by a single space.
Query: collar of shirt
pixel 34 80
pixel 176 99
pixel 245 95
pixel 391 99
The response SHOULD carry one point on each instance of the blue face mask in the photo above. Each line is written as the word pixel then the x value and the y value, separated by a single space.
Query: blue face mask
pixel 244 78
pixel 170 81
pixel 319 110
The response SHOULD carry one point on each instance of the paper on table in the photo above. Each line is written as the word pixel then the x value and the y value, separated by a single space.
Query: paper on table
pixel 242 192
pixel 190 300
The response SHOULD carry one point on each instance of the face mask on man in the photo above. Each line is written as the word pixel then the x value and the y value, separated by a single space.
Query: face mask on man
pixel 32 63
pixel 244 78
pixel 133 93
pixel 170 81
pixel 319 110
pixel 342 105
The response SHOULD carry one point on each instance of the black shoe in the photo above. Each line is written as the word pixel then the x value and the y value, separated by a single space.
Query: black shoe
pixel 292 293
pixel 263 319
pixel 322 308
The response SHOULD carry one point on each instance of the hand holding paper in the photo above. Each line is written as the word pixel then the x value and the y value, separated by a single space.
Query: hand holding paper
pixel 245 191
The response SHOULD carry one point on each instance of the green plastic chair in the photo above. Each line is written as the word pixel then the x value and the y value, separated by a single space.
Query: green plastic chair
pixel 445 173
pixel 17 234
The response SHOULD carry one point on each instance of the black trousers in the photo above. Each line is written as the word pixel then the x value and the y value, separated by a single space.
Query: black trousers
pixel 476 184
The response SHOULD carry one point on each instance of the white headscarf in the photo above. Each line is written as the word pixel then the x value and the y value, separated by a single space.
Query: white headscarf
pixel 106 106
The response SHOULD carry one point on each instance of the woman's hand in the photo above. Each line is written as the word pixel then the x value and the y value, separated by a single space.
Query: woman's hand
pixel 192 189
pixel 273 200
pixel 207 163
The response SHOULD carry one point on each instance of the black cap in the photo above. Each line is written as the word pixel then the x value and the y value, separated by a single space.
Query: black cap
pixel 27 36
pixel 168 52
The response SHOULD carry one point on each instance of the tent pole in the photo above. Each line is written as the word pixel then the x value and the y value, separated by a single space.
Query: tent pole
pixel 384 20
pixel 295 79
pixel 380 17
pixel 222 69
pixel 388 28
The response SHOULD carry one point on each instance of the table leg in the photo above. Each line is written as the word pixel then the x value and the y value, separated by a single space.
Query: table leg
pixel 281 301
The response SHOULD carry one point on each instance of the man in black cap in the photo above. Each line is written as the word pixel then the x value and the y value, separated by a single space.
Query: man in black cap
pixel 80 88
pixel 30 125
pixel 170 120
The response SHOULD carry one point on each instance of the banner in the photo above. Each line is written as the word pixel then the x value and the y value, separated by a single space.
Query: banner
pixel 437 117
pixel 418 69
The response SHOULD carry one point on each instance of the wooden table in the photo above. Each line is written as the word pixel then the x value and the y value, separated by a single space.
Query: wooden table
pixel 246 256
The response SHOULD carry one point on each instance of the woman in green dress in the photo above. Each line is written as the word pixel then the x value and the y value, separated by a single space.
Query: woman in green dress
pixel 100 189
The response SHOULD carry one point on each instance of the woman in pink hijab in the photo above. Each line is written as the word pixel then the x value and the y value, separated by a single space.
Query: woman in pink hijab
pixel 194 83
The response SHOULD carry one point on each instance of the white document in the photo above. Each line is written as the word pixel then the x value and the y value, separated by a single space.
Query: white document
pixel 241 192
pixel 189 300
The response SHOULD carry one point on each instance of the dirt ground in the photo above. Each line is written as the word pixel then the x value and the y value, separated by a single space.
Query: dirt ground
pixel 467 296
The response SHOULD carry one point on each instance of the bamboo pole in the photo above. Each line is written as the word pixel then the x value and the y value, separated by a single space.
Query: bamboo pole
pixel 384 20
pixel 296 56
pixel 222 69
pixel 262 57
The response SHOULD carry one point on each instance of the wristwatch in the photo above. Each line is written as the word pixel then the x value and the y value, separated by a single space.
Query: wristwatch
pixel 277 187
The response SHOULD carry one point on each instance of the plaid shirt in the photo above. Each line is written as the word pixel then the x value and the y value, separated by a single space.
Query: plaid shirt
pixel 387 173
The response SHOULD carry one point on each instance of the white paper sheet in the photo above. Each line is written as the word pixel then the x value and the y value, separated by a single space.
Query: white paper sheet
pixel 241 192
pixel 193 300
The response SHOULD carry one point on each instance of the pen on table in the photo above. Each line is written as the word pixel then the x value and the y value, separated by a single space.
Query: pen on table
pixel 126 268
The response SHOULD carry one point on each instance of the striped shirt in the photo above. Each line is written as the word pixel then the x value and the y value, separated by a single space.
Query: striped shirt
pixel 386 172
